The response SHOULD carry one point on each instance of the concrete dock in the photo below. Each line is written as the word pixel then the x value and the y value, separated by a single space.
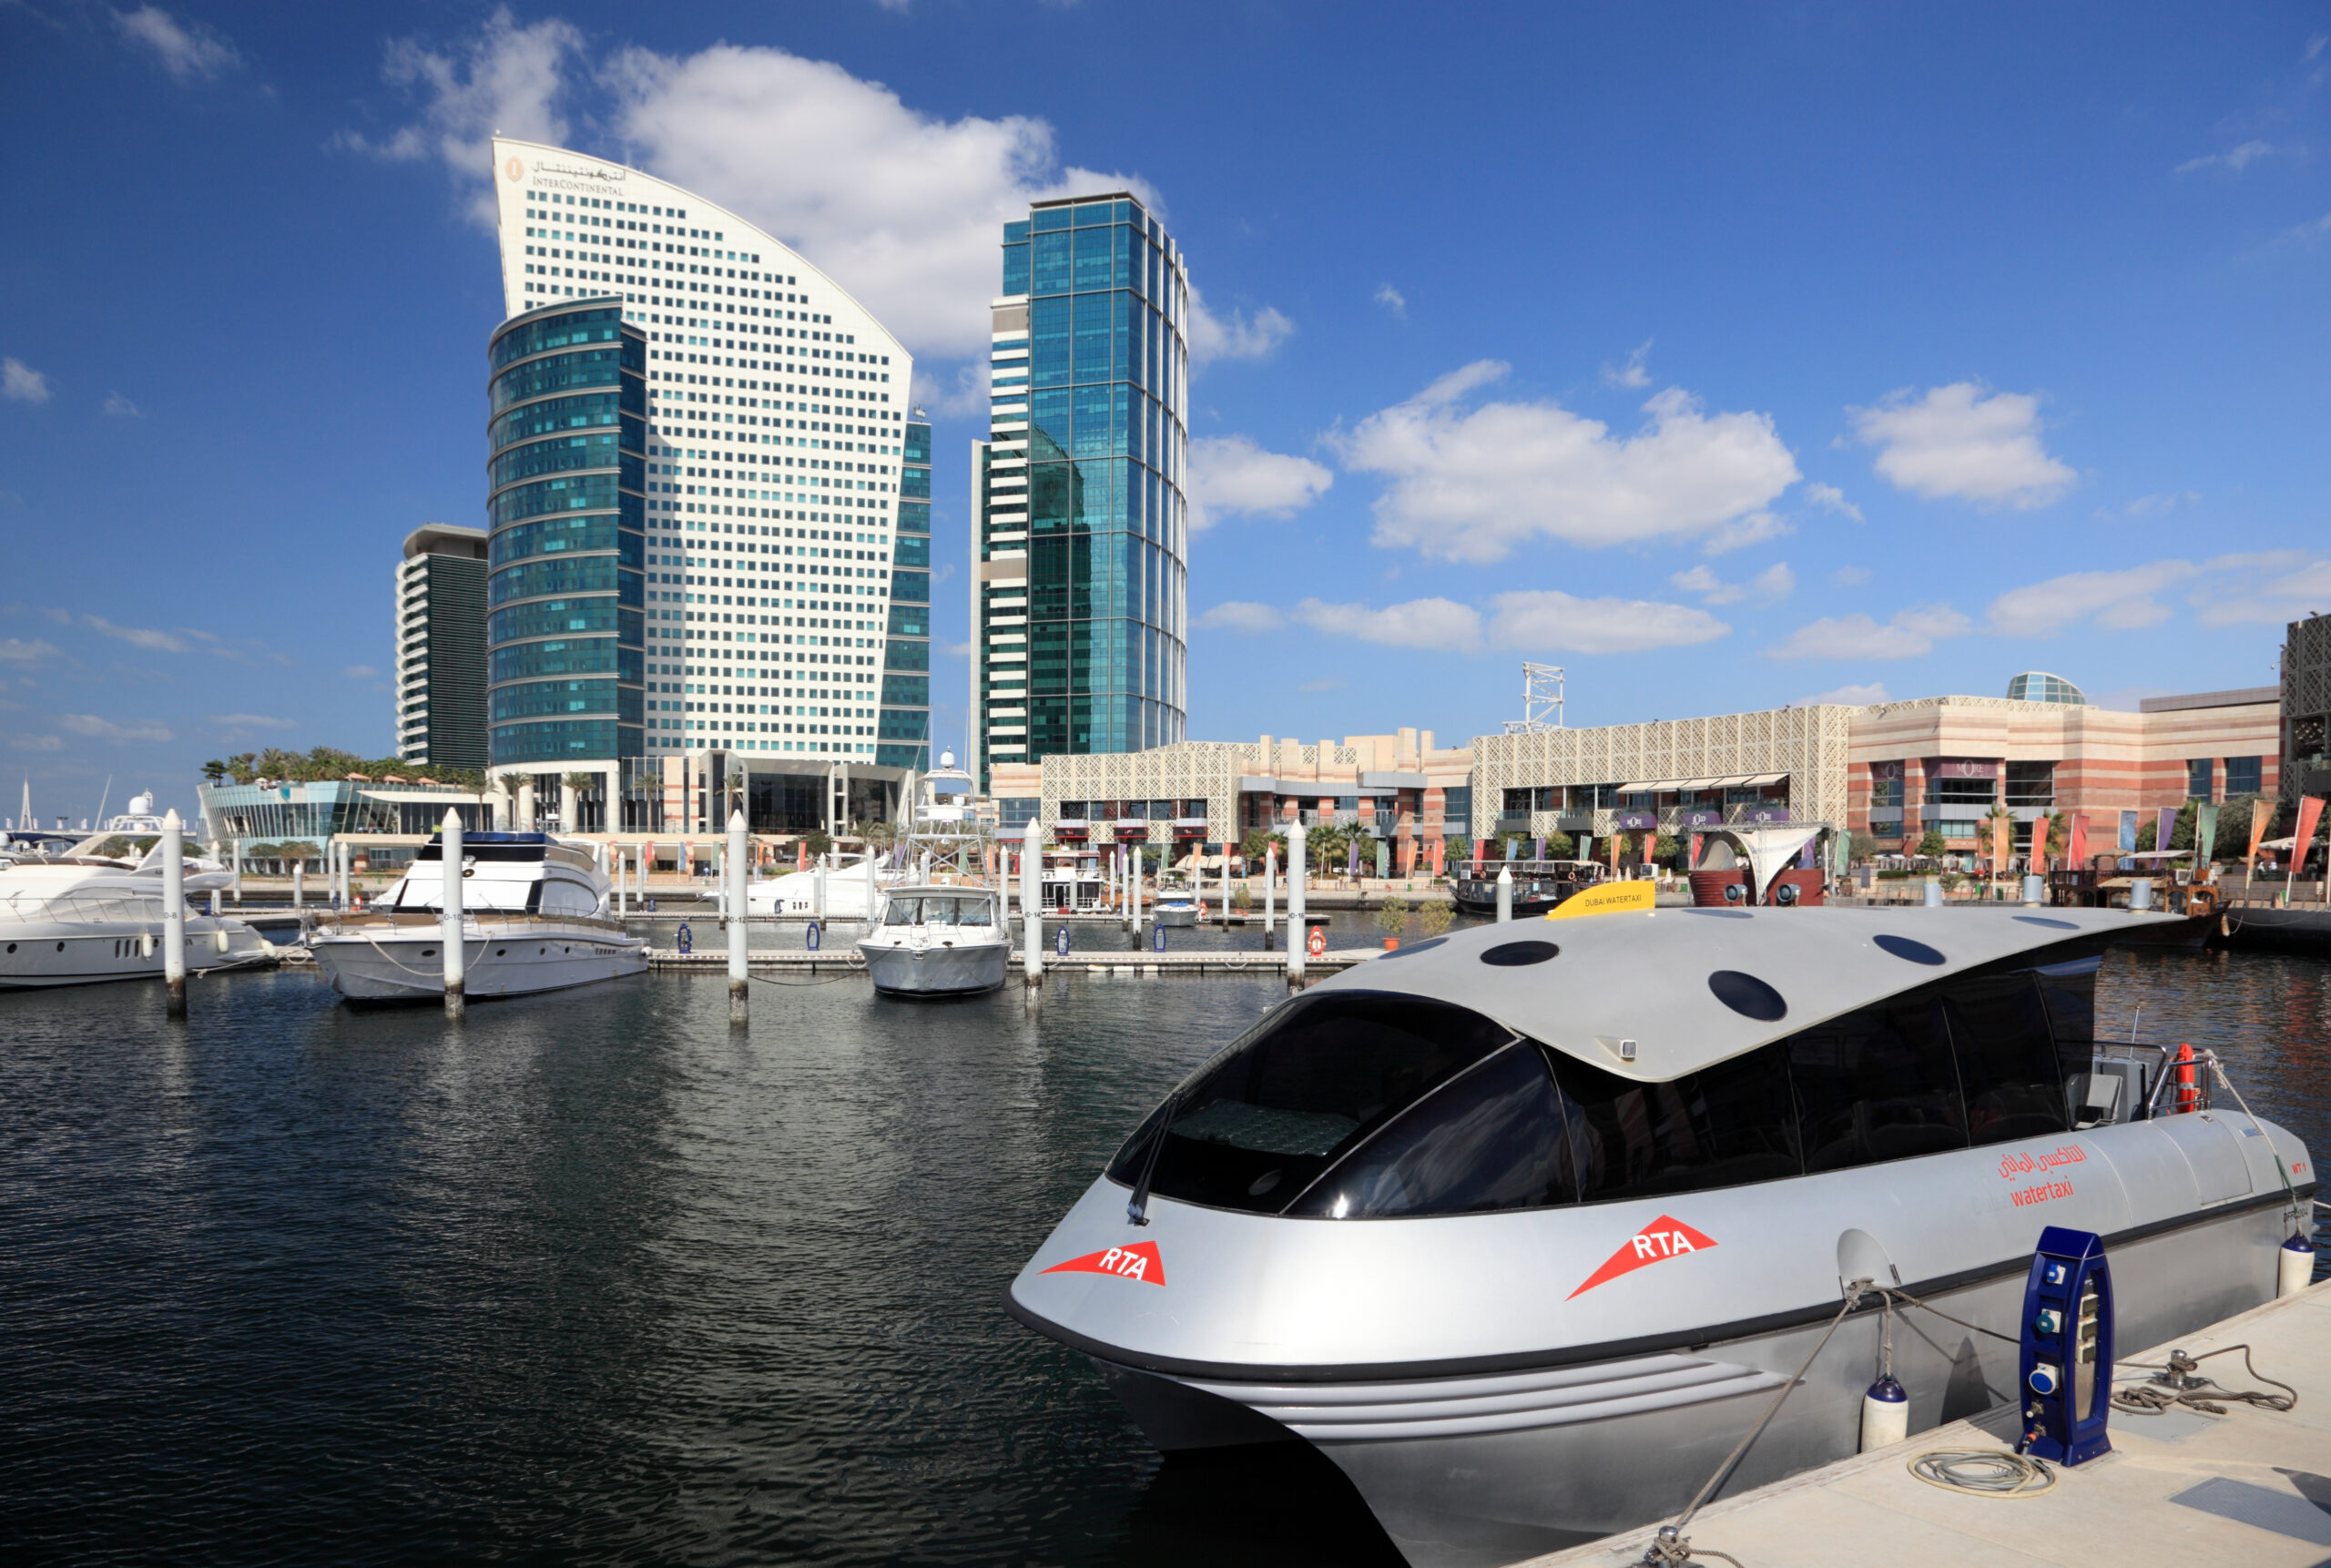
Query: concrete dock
pixel 2180 1488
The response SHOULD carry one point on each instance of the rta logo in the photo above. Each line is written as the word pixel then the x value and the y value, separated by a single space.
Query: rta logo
pixel 1140 1261
pixel 516 170
pixel 1657 1242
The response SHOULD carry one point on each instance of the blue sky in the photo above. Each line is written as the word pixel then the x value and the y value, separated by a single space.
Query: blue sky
pixel 1727 357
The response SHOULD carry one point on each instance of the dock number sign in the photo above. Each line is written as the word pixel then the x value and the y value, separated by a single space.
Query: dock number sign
pixel 1657 1242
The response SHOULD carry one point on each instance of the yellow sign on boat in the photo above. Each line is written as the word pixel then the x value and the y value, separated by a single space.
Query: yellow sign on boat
pixel 1607 898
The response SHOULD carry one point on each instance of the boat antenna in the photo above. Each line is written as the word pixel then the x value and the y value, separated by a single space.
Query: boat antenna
pixel 1137 1211
pixel 100 823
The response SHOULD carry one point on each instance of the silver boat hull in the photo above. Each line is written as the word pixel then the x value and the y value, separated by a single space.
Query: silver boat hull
pixel 937 971
pixel 410 967
pixel 37 956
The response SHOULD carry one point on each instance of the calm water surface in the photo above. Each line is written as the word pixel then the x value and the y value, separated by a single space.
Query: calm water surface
pixel 591 1279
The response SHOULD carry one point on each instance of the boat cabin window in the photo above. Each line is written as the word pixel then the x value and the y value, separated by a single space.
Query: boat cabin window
pixel 1253 1127
pixel 1355 1105
pixel 939 909
pixel 1878 1083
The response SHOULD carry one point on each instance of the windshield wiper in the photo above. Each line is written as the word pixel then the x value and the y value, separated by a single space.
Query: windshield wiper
pixel 1137 1211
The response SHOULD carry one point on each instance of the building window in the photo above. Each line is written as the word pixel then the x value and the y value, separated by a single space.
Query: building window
pixel 2031 784
pixel 2199 774
pixel 2244 776
pixel 1885 791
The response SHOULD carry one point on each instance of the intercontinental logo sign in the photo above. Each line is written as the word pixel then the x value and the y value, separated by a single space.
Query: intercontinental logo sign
pixel 562 176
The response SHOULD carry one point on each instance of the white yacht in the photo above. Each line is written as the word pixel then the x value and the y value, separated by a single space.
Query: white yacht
pixel 534 917
pixel 94 912
pixel 938 941
pixel 846 894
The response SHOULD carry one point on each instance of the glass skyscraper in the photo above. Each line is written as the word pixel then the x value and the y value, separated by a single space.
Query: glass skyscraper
pixel 567 434
pixel 1080 575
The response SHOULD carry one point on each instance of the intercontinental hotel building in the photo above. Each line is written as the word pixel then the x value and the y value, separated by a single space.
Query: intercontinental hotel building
pixel 709 504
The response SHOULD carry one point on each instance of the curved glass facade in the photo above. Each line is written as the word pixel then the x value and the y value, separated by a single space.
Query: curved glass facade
pixel 566 510
pixel 2038 686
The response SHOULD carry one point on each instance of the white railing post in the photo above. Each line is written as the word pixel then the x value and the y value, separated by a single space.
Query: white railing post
pixel 174 912
pixel 740 973
pixel 1298 936
pixel 449 913
pixel 1032 908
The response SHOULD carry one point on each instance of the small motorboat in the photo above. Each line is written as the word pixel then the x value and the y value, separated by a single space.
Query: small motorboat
pixel 93 912
pixel 934 939
pixel 1177 907
pixel 1538 885
pixel 534 917
pixel 1524 1226
pixel 844 896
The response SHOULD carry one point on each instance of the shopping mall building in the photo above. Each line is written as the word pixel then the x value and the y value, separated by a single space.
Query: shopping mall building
pixel 1892 769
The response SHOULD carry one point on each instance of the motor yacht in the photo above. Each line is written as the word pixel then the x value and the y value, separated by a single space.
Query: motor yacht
pixel 1177 907
pixel 94 912
pixel 534 917
pixel 1524 1226
pixel 845 896
pixel 935 940
pixel 1538 885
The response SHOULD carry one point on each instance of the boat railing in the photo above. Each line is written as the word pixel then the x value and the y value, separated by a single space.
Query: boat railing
pixel 2134 1081
pixel 419 919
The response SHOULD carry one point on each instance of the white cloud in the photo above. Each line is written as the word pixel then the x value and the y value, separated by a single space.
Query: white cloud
pixel 1546 619
pixel 252 721
pixel 902 207
pixel 1634 374
pixel 1742 532
pixel 15 650
pixel 1392 299
pixel 2313 47
pixel 139 636
pixel 1956 443
pixel 2235 160
pixel 1770 585
pixel 1860 696
pixel 1440 625
pixel 2271 588
pixel 186 49
pixel 21 382
pixel 1240 616
pixel 1833 499
pixel 89 724
pixel 1470 484
pixel 360 672
pixel 2156 505
pixel 1235 336
pixel 1851 576
pixel 958 650
pixel 508 79
pixel 1326 683
pixel 120 407
pixel 1909 634
pixel 36 742
pixel 2122 600
pixel 1230 474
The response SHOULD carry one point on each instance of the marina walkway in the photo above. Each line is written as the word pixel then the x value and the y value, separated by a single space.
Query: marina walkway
pixel 843 957
pixel 2181 1489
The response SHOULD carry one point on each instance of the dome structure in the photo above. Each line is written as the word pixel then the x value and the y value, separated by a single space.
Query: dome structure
pixel 2038 686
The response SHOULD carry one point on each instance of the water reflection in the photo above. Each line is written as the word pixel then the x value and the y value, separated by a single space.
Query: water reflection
pixel 592 1276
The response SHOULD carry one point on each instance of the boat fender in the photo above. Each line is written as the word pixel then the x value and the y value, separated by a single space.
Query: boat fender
pixel 2293 1266
pixel 1885 1414
pixel 219 939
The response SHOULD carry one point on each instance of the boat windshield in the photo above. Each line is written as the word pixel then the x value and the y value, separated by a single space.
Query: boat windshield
pixel 939 909
pixel 1254 1125
pixel 130 847
pixel 92 907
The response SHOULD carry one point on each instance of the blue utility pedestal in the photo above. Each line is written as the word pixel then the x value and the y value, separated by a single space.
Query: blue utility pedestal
pixel 2066 1364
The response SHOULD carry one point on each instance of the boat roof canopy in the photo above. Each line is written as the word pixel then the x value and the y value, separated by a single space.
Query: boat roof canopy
pixel 1694 987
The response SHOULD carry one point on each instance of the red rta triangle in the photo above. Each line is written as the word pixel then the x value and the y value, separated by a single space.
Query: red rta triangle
pixel 1140 1261
pixel 1657 1242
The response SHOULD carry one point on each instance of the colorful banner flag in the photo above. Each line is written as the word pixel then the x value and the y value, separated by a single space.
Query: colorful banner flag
pixel 2036 857
pixel 2165 827
pixel 2076 841
pixel 2310 812
pixel 2205 833
pixel 2002 843
pixel 2261 813
pixel 1691 858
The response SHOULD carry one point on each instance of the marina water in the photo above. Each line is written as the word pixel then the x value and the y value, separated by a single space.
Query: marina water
pixel 590 1278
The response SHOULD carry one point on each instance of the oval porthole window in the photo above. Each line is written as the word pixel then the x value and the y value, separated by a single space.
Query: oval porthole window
pixel 1412 949
pixel 60 947
pixel 428 952
pixel 1514 954
pixel 12 947
pixel 501 952
pixel 1748 996
pixel 1904 947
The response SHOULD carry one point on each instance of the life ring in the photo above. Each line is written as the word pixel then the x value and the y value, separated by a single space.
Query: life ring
pixel 1316 944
